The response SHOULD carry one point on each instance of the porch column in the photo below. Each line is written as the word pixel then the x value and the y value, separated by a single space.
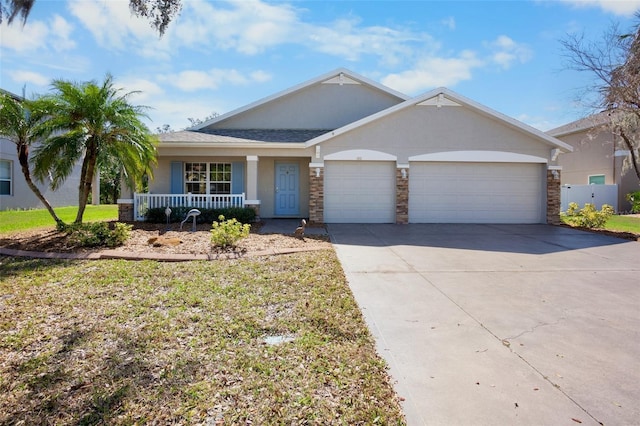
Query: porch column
pixel 125 204
pixel 125 210
pixel 553 195
pixel 252 185
pixel 402 194
pixel 316 193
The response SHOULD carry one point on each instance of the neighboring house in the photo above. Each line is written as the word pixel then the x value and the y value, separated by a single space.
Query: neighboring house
pixel 344 149
pixel 14 192
pixel 598 157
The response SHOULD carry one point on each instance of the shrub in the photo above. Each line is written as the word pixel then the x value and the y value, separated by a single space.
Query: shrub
pixel 588 216
pixel 97 234
pixel 242 214
pixel 227 233
pixel 634 199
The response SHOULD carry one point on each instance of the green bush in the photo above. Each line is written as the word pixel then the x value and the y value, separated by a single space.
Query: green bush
pixel 97 234
pixel 588 216
pixel 242 214
pixel 226 233
pixel 634 199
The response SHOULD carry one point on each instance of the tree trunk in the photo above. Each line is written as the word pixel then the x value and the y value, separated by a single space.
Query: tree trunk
pixel 86 179
pixel 23 158
pixel 634 157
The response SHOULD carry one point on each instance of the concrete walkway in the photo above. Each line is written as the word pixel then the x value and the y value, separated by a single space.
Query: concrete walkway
pixel 501 324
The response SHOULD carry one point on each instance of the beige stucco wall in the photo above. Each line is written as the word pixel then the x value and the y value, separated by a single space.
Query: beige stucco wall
pixel 321 106
pixel 427 129
pixel 23 197
pixel 594 154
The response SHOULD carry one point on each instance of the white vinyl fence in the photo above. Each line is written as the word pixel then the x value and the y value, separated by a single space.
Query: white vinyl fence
pixel 594 194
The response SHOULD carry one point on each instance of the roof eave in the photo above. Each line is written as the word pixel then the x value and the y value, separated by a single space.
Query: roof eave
pixel 269 145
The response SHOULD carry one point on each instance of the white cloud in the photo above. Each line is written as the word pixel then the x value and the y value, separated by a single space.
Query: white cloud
pixel 61 34
pixel 348 39
pixel 192 80
pixel 616 7
pixel 432 72
pixel 24 77
pixel 505 51
pixel 449 22
pixel 146 89
pixel 115 28
pixel 28 38
pixel 248 27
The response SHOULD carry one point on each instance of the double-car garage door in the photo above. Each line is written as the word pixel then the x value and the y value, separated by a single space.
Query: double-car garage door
pixel 439 192
pixel 443 192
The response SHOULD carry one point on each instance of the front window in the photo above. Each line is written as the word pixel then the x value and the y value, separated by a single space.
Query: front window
pixel 208 178
pixel 6 174
pixel 220 178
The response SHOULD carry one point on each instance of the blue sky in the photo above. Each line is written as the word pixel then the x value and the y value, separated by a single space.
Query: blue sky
pixel 220 55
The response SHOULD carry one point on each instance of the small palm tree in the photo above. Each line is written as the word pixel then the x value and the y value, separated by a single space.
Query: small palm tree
pixel 95 123
pixel 21 123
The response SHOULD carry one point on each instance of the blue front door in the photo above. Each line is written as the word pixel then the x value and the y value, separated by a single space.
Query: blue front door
pixel 287 189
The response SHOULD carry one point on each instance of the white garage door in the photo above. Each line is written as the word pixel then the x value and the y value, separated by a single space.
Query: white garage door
pixel 475 192
pixel 359 192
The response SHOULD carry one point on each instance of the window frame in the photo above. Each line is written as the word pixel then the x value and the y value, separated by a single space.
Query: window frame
pixel 211 171
pixel 9 179
pixel 604 179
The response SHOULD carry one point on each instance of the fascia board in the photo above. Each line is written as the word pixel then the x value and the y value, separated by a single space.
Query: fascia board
pixel 260 145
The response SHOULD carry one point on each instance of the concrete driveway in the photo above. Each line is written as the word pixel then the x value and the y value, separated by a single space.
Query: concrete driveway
pixel 501 324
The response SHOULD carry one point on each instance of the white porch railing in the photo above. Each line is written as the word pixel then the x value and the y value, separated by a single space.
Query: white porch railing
pixel 143 202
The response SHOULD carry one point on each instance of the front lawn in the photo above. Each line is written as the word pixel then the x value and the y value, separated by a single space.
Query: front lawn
pixel 20 220
pixel 624 223
pixel 620 223
pixel 273 340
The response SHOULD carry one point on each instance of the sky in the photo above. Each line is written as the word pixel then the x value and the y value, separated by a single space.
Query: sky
pixel 217 56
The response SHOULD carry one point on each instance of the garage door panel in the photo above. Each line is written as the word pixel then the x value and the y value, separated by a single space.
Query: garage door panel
pixel 475 193
pixel 359 192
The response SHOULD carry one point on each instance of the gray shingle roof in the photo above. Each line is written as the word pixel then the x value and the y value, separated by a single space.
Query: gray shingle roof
pixel 243 135
pixel 586 123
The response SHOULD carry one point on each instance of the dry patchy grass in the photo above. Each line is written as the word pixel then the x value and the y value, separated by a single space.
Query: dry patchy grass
pixel 117 342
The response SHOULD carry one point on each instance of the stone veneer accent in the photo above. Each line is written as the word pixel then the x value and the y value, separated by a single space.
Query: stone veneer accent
pixel 316 196
pixel 125 212
pixel 553 198
pixel 402 196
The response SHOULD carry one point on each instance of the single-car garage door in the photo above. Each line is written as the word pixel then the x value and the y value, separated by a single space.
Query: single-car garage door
pixel 359 192
pixel 449 192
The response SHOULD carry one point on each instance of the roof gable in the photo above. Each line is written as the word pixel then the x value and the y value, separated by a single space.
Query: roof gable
pixel 319 103
pixel 443 97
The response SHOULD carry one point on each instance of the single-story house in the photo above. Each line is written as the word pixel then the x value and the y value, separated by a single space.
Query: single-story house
pixel 342 148
pixel 14 192
pixel 599 157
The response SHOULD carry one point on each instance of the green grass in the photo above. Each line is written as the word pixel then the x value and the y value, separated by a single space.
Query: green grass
pixel 20 220
pixel 117 342
pixel 624 223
